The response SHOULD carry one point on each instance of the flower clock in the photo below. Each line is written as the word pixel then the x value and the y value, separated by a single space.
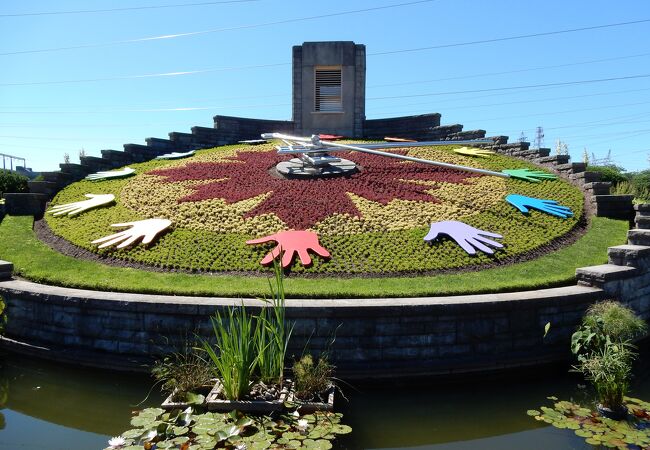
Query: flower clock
pixel 229 209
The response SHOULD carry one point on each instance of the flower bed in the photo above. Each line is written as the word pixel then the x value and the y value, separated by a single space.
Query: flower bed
pixel 372 222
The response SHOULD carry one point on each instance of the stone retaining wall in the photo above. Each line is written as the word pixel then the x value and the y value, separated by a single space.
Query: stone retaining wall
pixel 374 337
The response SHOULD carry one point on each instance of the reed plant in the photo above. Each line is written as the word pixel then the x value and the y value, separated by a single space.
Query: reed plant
pixel 272 333
pixel 234 354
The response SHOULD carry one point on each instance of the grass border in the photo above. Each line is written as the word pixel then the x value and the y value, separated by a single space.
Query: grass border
pixel 37 262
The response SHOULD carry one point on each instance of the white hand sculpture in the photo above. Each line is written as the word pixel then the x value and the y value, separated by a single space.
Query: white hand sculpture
pixel 110 174
pixel 176 155
pixel 146 229
pixel 72 209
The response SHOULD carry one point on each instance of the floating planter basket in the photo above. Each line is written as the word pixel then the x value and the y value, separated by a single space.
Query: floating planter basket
pixel 204 391
pixel 216 402
pixel 313 406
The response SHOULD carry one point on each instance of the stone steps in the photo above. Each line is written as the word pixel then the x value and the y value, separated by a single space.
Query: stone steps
pixel 638 237
pixel 629 255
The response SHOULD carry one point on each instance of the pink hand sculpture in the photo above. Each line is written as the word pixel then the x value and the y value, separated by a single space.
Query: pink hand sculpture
pixel 466 236
pixel 290 244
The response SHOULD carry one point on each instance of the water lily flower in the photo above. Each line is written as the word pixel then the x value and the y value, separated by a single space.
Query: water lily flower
pixel 302 424
pixel 116 442
pixel 241 446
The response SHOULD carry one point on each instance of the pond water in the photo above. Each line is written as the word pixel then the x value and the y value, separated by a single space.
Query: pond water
pixel 58 407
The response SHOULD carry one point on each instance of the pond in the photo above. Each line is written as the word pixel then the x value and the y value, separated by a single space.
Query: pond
pixel 58 407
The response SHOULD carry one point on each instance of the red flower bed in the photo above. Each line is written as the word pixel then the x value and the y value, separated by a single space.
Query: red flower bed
pixel 302 203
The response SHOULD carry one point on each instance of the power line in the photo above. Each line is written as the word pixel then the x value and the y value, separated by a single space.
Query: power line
pixel 511 38
pixel 216 30
pixel 266 66
pixel 565 83
pixel 508 72
pixel 518 102
pixel 131 8
pixel 151 75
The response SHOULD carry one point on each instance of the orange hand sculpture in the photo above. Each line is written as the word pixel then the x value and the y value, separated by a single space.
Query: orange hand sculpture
pixel 290 244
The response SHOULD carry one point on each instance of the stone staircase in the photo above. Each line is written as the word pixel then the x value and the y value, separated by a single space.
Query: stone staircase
pixel 229 130
pixel 627 272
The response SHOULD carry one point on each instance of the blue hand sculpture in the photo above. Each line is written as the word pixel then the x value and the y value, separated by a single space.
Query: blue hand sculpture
pixel 523 203
pixel 466 236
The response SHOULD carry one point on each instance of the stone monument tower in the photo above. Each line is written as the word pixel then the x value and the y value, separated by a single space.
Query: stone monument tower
pixel 329 88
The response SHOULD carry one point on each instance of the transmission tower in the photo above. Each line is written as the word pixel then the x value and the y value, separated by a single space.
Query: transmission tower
pixel 539 137
pixel 522 137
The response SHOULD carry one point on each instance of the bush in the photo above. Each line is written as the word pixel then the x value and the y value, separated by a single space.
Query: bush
pixel 12 182
pixel 613 174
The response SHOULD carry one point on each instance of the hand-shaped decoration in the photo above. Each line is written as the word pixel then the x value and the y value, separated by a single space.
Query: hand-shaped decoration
pixel 529 175
pixel 470 151
pixel 466 236
pixel 176 155
pixel 523 203
pixel 110 174
pixel 290 244
pixel 72 209
pixel 146 229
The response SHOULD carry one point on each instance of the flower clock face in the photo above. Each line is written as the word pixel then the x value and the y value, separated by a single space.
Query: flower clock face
pixel 373 221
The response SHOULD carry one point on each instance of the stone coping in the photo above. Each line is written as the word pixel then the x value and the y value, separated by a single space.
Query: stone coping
pixel 121 299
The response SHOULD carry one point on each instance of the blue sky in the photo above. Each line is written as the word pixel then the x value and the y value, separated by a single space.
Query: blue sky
pixel 93 80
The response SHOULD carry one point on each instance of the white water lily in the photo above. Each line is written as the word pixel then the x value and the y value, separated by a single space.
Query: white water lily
pixel 302 424
pixel 241 447
pixel 295 414
pixel 116 442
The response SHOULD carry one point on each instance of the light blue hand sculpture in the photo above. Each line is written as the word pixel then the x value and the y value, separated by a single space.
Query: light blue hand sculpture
pixel 176 155
pixel 468 237
pixel 529 175
pixel 523 204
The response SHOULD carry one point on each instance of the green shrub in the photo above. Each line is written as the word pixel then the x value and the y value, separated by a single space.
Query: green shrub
pixel 613 174
pixel 12 182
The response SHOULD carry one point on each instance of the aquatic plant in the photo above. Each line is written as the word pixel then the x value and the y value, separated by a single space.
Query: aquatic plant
pixel 234 354
pixel 603 346
pixel 182 374
pixel 272 332
pixel 632 433
pixel 207 431
pixel 311 379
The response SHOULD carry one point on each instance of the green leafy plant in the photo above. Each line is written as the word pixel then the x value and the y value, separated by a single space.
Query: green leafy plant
pixel 272 333
pixel 609 369
pixel 603 346
pixel 183 374
pixel 12 182
pixel 234 354
pixel 604 322
pixel 311 379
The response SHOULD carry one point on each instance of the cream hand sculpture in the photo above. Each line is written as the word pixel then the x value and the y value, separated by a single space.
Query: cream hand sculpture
pixel 72 209
pixel 110 174
pixel 176 155
pixel 146 229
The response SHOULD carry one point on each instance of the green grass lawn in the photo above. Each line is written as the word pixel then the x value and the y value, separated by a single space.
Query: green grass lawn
pixel 37 262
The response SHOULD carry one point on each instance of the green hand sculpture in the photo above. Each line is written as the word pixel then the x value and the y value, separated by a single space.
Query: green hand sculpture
pixel 529 175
